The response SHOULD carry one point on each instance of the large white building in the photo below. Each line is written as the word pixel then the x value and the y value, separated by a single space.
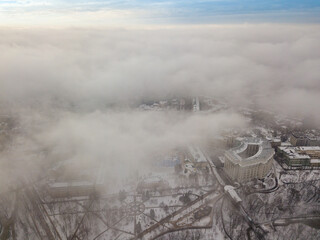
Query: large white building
pixel 250 158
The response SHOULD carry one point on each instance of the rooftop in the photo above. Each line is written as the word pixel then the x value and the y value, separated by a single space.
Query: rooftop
pixel 197 154
pixel 315 161
pixel 292 153
pixel 309 148
pixel 263 154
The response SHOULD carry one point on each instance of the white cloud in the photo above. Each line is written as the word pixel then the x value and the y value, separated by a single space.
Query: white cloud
pixel 61 80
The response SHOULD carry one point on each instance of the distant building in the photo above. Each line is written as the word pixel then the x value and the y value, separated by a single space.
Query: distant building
pixel 196 104
pixel 315 163
pixel 275 142
pixel 251 158
pixel 152 183
pixel 313 140
pixel 285 144
pixel 77 186
pixel 197 157
pixel 302 139
pixel 163 103
pixel 168 161
pixel 71 189
pixel 298 139
pixel 182 104
pixel 175 104
pixel 231 141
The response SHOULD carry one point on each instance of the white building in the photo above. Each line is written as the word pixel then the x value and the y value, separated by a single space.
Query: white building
pixel 197 157
pixel 232 194
pixel 196 104
pixel 250 158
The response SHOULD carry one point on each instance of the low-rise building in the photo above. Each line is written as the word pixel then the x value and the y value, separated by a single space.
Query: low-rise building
pixel 71 189
pixel 304 139
pixel 313 140
pixel 67 184
pixel 298 139
pixel 232 194
pixel 152 183
pixel 315 163
pixel 292 158
pixel 300 156
pixel 275 142
pixel 197 157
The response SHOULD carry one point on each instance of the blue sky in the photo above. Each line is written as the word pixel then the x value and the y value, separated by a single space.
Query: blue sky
pixel 159 11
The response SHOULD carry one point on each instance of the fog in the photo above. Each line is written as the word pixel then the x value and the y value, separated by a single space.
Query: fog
pixel 278 63
pixel 72 89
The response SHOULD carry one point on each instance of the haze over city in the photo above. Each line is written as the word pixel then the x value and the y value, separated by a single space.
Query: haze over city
pixel 159 119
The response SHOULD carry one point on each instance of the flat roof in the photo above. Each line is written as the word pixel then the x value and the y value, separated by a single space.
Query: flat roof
pixel 264 153
pixel 309 148
pixel 315 161
pixel 230 189
pixel 197 154
pixel 293 154
pixel 286 144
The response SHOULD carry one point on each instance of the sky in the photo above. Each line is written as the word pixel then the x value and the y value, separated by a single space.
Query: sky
pixel 153 12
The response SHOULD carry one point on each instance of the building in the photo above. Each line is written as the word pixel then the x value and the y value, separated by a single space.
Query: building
pixel 197 157
pixel 152 183
pixel 312 151
pixel 168 161
pixel 275 142
pixel 251 158
pixel 303 156
pixel 71 189
pixel 298 139
pixel 292 158
pixel 313 140
pixel 196 104
pixel 182 104
pixel 302 139
pixel 232 194
pixel 65 184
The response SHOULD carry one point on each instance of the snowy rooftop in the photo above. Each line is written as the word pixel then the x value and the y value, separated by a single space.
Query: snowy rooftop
pixel 197 154
pixel 315 161
pixel 263 154
pixel 293 154
pixel 309 148
pixel 233 194
pixel 286 144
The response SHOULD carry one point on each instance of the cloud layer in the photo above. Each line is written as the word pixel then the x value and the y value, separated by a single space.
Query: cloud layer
pixel 277 66
pixel 64 85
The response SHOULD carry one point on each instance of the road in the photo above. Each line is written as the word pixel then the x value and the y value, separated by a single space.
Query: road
pixel 273 188
pixel 155 229
pixel 37 215
pixel 216 168
pixel 313 221
pixel 223 179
